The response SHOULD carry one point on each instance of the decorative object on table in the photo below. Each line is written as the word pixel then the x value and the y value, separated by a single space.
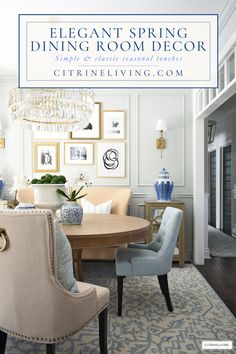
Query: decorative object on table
pixel 2 139
pixel 211 131
pixel 111 160
pixel 71 211
pixel 45 195
pixel 78 153
pixel 92 130
pixel 113 124
pixel 26 206
pixel 54 110
pixel 161 127
pixel 2 184
pixel 164 186
pixel 46 157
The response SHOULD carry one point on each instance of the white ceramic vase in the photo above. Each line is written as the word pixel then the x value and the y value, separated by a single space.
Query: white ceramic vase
pixel 46 197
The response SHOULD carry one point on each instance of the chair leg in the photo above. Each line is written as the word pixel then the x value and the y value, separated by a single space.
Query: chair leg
pixel 163 281
pixel 103 331
pixel 3 341
pixel 120 293
pixel 51 348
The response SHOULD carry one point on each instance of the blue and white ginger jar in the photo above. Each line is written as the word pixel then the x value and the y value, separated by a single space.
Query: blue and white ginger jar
pixel 164 186
pixel 2 184
pixel 71 213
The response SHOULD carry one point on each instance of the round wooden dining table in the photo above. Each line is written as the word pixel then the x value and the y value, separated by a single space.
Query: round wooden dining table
pixel 103 230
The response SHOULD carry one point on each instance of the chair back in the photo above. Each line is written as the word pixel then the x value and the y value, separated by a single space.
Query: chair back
pixel 33 305
pixel 166 238
pixel 25 195
pixel 120 198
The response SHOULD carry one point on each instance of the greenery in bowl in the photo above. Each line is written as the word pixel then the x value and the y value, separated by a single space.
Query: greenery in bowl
pixel 49 179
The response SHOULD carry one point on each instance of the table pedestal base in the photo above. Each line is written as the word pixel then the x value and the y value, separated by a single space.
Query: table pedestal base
pixel 77 264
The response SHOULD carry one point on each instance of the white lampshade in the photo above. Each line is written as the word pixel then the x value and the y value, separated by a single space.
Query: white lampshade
pixel 161 125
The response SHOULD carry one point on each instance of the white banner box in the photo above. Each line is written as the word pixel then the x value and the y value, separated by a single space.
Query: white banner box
pixel 118 51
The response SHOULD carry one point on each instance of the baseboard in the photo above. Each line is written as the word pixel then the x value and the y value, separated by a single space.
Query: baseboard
pixel 207 253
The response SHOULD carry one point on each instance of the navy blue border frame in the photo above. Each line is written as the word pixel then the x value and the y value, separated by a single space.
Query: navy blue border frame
pixel 123 88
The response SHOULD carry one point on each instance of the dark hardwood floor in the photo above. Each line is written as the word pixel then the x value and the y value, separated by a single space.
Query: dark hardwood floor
pixel 220 273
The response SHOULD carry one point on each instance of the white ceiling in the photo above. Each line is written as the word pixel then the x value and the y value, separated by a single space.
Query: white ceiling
pixel 11 8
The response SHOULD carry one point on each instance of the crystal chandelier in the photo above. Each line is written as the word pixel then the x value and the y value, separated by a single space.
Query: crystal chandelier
pixel 54 110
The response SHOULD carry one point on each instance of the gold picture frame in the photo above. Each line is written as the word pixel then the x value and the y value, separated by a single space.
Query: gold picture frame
pixel 46 157
pixel 93 130
pixel 113 124
pixel 78 153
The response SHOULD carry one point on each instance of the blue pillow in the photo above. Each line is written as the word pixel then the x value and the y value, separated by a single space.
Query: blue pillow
pixel 65 273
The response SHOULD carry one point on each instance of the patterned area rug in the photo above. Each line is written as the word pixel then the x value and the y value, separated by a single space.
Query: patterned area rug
pixel 221 244
pixel 146 326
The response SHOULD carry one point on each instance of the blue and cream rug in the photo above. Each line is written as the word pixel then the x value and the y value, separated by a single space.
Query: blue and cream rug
pixel 146 326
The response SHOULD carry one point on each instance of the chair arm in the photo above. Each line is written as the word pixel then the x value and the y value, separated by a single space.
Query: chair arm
pixel 138 245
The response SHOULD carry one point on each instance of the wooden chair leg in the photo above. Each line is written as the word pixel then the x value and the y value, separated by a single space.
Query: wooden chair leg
pixel 120 293
pixel 163 281
pixel 51 348
pixel 3 341
pixel 103 331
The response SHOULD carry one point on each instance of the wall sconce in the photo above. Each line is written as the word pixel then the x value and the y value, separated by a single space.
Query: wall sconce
pixel 161 127
pixel 2 140
pixel 211 131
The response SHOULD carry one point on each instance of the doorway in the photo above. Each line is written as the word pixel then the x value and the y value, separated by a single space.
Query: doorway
pixel 226 225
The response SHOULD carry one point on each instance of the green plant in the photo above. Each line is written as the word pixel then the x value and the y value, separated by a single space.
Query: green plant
pixel 49 179
pixel 71 194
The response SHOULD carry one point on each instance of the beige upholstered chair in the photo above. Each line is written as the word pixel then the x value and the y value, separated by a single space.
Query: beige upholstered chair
pixel 25 195
pixel 34 306
pixel 120 202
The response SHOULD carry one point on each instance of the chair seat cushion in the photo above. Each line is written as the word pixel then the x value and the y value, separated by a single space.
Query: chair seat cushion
pixel 134 261
pixel 65 273
pixel 90 208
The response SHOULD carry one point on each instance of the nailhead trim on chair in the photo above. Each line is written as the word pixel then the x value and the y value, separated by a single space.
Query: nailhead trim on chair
pixel 51 340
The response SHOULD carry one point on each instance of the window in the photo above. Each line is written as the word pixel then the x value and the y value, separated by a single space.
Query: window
pixel 222 78
pixel 230 68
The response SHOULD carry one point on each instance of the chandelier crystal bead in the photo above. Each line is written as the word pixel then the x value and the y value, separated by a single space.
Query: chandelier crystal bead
pixel 54 110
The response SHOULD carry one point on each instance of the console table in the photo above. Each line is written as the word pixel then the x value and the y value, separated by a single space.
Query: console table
pixel 153 212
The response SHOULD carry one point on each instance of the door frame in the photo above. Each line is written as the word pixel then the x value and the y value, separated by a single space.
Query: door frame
pixel 221 182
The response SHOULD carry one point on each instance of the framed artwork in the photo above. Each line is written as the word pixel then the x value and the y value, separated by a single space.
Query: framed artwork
pixel 111 160
pixel 78 153
pixel 113 124
pixel 92 131
pixel 46 157
pixel 51 135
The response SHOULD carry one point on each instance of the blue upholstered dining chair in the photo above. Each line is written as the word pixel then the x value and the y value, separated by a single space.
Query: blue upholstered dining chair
pixel 154 258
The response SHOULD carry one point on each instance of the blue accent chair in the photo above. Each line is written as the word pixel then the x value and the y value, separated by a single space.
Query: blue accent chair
pixel 154 258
